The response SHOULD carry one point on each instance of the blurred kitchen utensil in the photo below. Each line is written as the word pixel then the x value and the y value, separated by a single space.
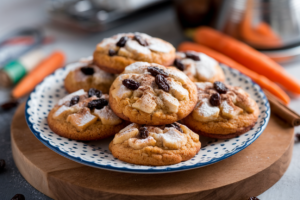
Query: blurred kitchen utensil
pixel 99 15
pixel 15 44
pixel 272 26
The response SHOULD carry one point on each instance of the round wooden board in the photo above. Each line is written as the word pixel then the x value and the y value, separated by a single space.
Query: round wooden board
pixel 248 173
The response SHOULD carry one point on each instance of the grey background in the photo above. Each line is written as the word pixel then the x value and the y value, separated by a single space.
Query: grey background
pixel 161 23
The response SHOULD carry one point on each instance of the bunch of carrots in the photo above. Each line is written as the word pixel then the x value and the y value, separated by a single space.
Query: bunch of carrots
pixel 229 51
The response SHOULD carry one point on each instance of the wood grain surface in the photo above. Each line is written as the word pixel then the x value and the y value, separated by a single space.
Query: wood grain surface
pixel 248 173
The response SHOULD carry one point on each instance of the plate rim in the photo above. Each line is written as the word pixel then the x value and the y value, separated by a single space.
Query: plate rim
pixel 150 171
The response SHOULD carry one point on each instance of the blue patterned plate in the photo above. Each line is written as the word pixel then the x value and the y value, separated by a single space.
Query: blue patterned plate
pixel 96 154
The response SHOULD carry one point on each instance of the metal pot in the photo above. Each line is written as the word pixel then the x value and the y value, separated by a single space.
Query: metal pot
pixel 263 24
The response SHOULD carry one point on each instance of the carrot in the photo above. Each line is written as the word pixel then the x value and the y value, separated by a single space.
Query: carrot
pixel 258 36
pixel 259 79
pixel 264 29
pixel 246 56
pixel 43 69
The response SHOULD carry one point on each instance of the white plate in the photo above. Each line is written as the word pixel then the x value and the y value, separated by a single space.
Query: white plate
pixel 96 154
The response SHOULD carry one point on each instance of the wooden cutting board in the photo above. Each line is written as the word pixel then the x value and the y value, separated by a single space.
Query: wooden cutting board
pixel 248 173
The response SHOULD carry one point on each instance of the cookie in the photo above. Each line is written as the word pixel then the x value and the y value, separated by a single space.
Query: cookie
pixel 84 116
pixel 222 111
pixel 148 93
pixel 86 75
pixel 155 145
pixel 115 53
pixel 199 67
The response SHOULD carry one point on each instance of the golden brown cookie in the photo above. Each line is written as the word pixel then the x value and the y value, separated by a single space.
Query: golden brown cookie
pixel 86 76
pixel 84 116
pixel 155 145
pixel 222 111
pixel 148 93
pixel 199 67
pixel 115 53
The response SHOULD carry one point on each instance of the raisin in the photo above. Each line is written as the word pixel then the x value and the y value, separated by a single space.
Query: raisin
pixel 155 71
pixel 215 99
pixel 162 83
pixel 143 131
pixel 131 84
pixel 179 65
pixel 9 105
pixel 192 56
pixel 175 125
pixel 220 87
pixel 112 52
pixel 74 100
pixel 2 164
pixel 94 92
pixel 122 41
pixel 298 136
pixel 98 104
pixel 87 70
pixel 253 198
pixel 18 197
pixel 140 40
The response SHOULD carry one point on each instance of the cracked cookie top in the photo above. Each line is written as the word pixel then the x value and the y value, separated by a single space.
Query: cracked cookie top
pixel 198 66
pixel 153 91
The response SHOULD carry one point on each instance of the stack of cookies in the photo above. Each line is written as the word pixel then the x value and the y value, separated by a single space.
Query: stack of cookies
pixel 129 90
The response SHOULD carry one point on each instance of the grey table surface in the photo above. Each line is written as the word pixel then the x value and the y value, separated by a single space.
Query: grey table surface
pixel 161 23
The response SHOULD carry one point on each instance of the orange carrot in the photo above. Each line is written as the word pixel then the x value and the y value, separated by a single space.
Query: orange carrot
pixel 254 36
pixel 246 56
pixel 259 79
pixel 46 67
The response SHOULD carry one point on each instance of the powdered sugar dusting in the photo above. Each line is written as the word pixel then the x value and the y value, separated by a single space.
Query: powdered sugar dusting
pixel 70 96
pixel 154 44
pixel 101 76
pixel 134 46
pixel 177 75
pixel 203 85
pixel 206 67
pixel 137 143
pixel 226 107
pixel 159 46
pixel 206 110
pixel 137 68
pixel 173 139
pixel 107 116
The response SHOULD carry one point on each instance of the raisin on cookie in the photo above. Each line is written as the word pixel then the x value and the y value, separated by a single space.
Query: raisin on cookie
pixel 155 145
pixel 222 111
pixel 86 75
pixel 199 67
pixel 84 116
pixel 148 93
pixel 115 53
